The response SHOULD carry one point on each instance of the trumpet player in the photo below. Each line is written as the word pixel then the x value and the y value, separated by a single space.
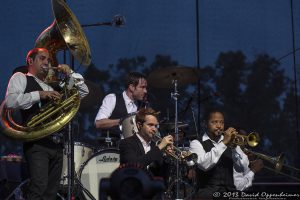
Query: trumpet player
pixel 28 92
pixel 140 148
pixel 222 167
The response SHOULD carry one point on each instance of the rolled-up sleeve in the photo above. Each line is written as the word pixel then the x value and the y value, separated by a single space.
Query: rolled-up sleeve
pixel 207 160
pixel 107 107
pixel 15 96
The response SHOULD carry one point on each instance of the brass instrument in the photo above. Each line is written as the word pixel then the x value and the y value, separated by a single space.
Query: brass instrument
pixel 252 139
pixel 64 33
pixel 278 163
pixel 186 156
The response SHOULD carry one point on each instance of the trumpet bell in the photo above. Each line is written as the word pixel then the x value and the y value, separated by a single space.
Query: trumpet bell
pixel 253 139
pixel 191 160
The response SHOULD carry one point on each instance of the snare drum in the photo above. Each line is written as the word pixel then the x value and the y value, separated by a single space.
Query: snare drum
pixel 128 125
pixel 99 166
pixel 82 152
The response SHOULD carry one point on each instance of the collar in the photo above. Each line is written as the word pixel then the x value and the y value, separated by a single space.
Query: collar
pixel 36 78
pixel 205 137
pixel 143 140
pixel 127 100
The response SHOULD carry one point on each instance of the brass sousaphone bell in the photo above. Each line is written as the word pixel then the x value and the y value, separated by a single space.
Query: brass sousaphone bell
pixel 64 33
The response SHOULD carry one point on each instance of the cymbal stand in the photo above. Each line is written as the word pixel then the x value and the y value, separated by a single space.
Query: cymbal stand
pixel 175 96
pixel 195 123
pixel 71 175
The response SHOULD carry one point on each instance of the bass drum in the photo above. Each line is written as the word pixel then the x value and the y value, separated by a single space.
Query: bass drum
pixel 100 165
pixel 82 152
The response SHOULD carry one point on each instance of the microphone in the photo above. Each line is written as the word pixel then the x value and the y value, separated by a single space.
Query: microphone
pixel 118 21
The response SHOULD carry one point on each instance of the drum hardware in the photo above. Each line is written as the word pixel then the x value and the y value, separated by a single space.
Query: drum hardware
pixel 17 192
pixel 128 125
pixel 164 77
pixel 170 126
pixel 184 184
pixel 82 152
pixel 108 140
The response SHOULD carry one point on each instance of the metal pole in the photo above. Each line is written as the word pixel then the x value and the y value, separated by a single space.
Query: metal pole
pixel 295 79
pixel 175 96
pixel 198 59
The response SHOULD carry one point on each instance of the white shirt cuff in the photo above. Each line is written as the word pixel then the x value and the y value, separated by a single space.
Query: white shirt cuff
pixel 35 96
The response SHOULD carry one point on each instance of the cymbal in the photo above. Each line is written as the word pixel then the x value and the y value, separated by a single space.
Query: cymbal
pixel 171 125
pixel 163 77
pixel 94 97
pixel 191 137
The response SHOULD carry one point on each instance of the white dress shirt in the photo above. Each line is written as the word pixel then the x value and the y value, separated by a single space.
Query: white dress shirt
pixel 109 104
pixel 242 175
pixel 16 98
pixel 146 145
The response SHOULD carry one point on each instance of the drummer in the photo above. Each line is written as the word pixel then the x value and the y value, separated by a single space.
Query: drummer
pixel 117 106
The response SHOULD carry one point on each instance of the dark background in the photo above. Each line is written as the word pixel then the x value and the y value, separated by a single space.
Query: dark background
pixel 246 65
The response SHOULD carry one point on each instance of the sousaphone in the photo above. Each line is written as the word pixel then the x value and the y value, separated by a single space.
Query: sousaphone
pixel 64 33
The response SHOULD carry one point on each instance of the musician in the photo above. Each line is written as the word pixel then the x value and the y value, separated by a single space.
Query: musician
pixel 28 92
pixel 140 147
pixel 117 106
pixel 221 168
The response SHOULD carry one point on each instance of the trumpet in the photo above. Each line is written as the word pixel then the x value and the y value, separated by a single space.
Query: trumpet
pixel 252 139
pixel 189 158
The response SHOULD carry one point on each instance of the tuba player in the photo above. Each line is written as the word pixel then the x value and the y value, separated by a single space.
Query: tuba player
pixel 28 93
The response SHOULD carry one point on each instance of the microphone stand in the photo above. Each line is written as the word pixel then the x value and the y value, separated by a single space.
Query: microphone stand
pixel 117 21
pixel 70 152
pixel 175 96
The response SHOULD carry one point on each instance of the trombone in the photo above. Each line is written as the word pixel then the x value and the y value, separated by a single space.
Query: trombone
pixel 187 156
pixel 276 161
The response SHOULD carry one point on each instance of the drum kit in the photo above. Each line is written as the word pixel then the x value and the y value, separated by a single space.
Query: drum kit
pixel 91 164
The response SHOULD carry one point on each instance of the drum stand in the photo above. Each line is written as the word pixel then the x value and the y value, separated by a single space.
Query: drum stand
pixel 108 140
pixel 17 193
pixel 71 176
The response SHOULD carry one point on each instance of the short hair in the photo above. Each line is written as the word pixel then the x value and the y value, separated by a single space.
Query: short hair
pixel 142 113
pixel 133 78
pixel 210 111
pixel 33 52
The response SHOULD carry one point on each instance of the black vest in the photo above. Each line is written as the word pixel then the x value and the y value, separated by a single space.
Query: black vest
pixel 31 86
pixel 27 114
pixel 120 110
pixel 221 175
